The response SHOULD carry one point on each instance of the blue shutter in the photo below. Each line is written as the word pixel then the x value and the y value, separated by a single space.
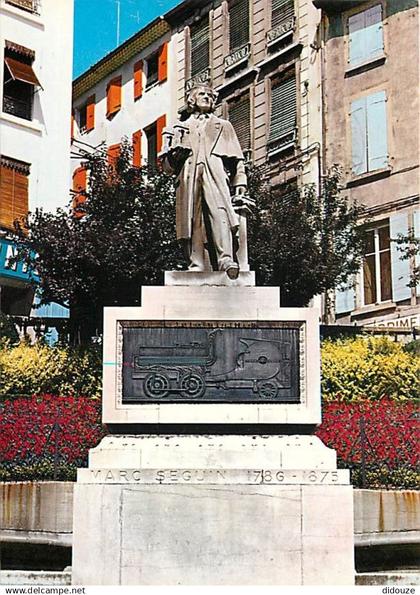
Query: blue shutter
pixel 374 42
pixel 400 269
pixel 416 226
pixel 344 300
pixel 358 136
pixel 377 131
pixel 357 38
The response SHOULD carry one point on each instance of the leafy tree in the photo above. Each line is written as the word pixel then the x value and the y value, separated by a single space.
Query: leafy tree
pixel 304 242
pixel 409 247
pixel 121 236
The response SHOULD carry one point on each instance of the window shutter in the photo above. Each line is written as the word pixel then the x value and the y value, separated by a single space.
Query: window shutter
pixel 359 136
pixel 113 154
pixel 357 38
pixel 79 187
pixel 283 108
pixel 72 127
pixel 14 196
pixel 416 227
pixel 239 115
pixel 400 269
pixel 160 125
pixel 137 148
pixel 200 46
pixel 281 11
pixel 238 24
pixel 377 131
pixel 163 63
pixel 374 43
pixel 345 300
pixel 90 113
pixel 113 96
pixel 138 79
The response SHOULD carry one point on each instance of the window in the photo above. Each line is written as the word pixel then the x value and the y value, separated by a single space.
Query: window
pixel 369 133
pixel 282 11
pixel 154 140
pixel 113 96
pixel 29 5
pixel 238 24
pixel 87 115
pixel 200 46
pixel 19 81
pixel 365 35
pixel 79 191
pixel 377 266
pixel 13 191
pixel 137 148
pixel 138 79
pixel 152 69
pixel 283 114
pixel 239 113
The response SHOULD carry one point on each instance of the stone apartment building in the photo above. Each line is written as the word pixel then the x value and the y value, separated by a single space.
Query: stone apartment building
pixel 370 76
pixel 256 53
pixel 36 41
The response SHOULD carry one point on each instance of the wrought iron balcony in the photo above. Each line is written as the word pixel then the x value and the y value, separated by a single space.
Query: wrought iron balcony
pixel 29 5
pixel 21 108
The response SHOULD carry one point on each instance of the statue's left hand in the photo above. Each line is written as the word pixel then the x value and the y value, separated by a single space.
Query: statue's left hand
pixel 241 201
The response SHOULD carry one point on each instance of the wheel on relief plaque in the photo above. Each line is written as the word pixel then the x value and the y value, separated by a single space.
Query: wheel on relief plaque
pixel 156 385
pixel 267 389
pixel 192 385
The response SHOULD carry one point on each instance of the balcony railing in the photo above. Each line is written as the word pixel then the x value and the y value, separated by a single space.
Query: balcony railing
pixel 28 5
pixel 20 108
pixel 285 28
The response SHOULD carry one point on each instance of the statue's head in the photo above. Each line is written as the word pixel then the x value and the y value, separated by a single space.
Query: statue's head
pixel 201 98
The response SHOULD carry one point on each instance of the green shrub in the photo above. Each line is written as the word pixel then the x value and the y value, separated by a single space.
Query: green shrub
pixel 38 369
pixel 369 367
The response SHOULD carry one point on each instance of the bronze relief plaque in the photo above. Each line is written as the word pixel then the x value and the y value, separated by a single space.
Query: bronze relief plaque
pixel 211 362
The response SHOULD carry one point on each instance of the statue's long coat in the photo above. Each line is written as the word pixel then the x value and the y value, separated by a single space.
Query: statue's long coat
pixel 224 162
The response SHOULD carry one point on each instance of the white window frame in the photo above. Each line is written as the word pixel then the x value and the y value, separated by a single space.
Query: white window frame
pixel 377 252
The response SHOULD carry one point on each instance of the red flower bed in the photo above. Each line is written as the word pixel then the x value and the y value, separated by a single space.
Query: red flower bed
pixel 385 432
pixel 48 428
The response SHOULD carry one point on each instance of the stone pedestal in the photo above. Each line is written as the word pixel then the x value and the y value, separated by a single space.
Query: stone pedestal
pixel 213 510
pixel 212 476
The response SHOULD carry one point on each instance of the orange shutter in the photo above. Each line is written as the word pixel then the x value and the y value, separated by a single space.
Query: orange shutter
pixel 163 62
pixel 90 113
pixel 138 79
pixel 79 187
pixel 160 125
pixel 14 196
pixel 113 96
pixel 113 154
pixel 137 148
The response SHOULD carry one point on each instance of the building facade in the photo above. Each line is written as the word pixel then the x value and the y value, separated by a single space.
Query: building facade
pixel 371 119
pixel 256 54
pixel 128 94
pixel 36 40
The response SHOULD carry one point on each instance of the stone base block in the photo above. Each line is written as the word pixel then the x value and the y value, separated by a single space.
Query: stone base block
pixel 226 515
pixel 216 278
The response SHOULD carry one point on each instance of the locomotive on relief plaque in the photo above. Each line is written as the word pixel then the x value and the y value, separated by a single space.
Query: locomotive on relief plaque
pixel 212 362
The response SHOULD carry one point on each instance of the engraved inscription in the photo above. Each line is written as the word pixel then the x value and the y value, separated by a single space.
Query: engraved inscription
pixel 215 476
pixel 219 364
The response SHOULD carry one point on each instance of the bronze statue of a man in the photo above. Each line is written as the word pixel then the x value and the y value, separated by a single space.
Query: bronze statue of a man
pixel 204 152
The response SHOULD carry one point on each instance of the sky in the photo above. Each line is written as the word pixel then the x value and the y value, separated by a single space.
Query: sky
pixel 95 26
